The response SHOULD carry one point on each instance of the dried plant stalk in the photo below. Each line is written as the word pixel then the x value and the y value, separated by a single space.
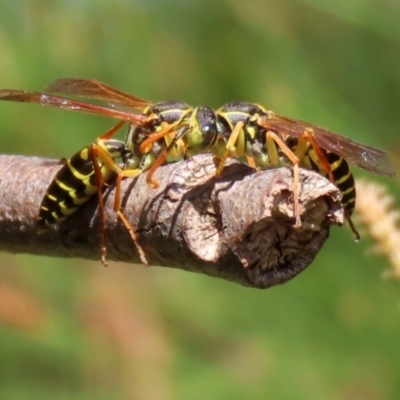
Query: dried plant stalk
pixel 374 207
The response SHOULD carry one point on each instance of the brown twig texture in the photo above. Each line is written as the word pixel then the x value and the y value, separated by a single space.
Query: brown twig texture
pixel 238 227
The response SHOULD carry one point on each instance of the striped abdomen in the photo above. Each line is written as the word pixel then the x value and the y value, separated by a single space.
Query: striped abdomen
pixel 343 179
pixel 75 183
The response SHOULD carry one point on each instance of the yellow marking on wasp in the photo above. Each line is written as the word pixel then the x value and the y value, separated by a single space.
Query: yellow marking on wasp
pixel 62 206
pixel 349 190
pixel 68 211
pixel 57 216
pixel 80 201
pixel 336 164
pixel 77 201
pixel 90 191
pixel 63 186
pixel 77 173
pixel 343 179
pixel 84 154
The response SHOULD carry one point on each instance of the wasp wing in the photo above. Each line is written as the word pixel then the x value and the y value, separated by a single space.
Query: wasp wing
pixel 67 104
pixel 364 156
pixel 92 89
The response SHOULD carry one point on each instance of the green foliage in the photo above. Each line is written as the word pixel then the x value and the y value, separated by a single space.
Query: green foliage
pixel 75 330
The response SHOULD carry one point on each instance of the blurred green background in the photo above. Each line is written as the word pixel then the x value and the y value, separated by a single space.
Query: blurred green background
pixel 70 329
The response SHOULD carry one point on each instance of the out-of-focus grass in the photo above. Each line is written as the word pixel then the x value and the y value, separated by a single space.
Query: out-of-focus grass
pixel 72 329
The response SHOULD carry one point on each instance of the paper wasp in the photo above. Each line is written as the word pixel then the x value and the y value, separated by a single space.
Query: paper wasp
pixel 167 129
pixel 86 173
pixel 95 165
pixel 268 140
pixel 79 179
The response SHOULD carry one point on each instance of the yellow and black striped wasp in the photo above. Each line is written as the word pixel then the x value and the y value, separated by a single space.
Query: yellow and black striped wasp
pixel 268 140
pixel 86 172
pixel 159 131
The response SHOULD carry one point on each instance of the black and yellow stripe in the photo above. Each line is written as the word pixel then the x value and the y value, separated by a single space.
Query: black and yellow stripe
pixel 251 144
pixel 342 176
pixel 75 183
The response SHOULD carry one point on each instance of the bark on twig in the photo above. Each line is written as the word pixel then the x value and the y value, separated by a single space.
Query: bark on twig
pixel 238 227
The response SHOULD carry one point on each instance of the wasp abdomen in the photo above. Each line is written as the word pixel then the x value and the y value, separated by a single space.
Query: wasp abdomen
pixel 343 179
pixel 76 182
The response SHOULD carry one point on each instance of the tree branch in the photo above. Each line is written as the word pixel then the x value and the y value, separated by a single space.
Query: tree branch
pixel 238 227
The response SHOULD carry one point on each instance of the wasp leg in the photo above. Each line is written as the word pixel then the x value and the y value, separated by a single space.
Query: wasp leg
pixel 308 136
pixel 174 139
pixel 97 153
pixel 133 173
pixel 230 146
pixel 251 162
pixel 357 236
pixel 274 140
pixel 147 144
pixel 152 182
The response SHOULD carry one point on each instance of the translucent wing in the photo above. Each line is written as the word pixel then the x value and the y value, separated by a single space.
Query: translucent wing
pixel 93 89
pixel 364 156
pixel 67 104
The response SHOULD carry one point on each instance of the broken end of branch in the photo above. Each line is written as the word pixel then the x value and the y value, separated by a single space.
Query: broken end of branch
pixel 240 227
